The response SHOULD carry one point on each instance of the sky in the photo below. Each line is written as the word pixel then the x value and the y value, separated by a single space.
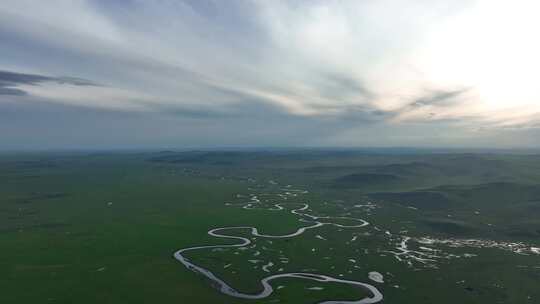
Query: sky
pixel 98 74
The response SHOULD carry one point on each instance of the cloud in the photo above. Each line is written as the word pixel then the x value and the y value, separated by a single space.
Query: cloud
pixel 334 72
pixel 11 81
pixel 11 91
pixel 445 98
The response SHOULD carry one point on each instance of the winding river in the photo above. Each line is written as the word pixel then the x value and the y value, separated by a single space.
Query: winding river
pixel 222 286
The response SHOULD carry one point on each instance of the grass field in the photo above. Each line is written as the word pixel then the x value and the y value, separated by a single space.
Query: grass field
pixel 102 227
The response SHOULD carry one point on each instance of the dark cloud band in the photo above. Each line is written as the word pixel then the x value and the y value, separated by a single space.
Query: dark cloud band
pixel 9 82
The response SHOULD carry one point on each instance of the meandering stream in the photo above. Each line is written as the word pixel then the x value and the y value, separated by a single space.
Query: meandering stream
pixel 222 286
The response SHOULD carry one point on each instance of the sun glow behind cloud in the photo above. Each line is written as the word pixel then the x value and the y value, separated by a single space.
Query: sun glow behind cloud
pixel 490 48
pixel 493 47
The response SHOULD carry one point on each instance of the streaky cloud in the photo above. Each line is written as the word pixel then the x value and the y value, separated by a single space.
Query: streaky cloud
pixel 9 81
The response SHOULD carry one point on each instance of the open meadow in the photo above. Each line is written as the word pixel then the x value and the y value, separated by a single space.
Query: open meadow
pixel 365 226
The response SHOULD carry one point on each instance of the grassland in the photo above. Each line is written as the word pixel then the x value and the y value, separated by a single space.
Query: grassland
pixel 102 227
